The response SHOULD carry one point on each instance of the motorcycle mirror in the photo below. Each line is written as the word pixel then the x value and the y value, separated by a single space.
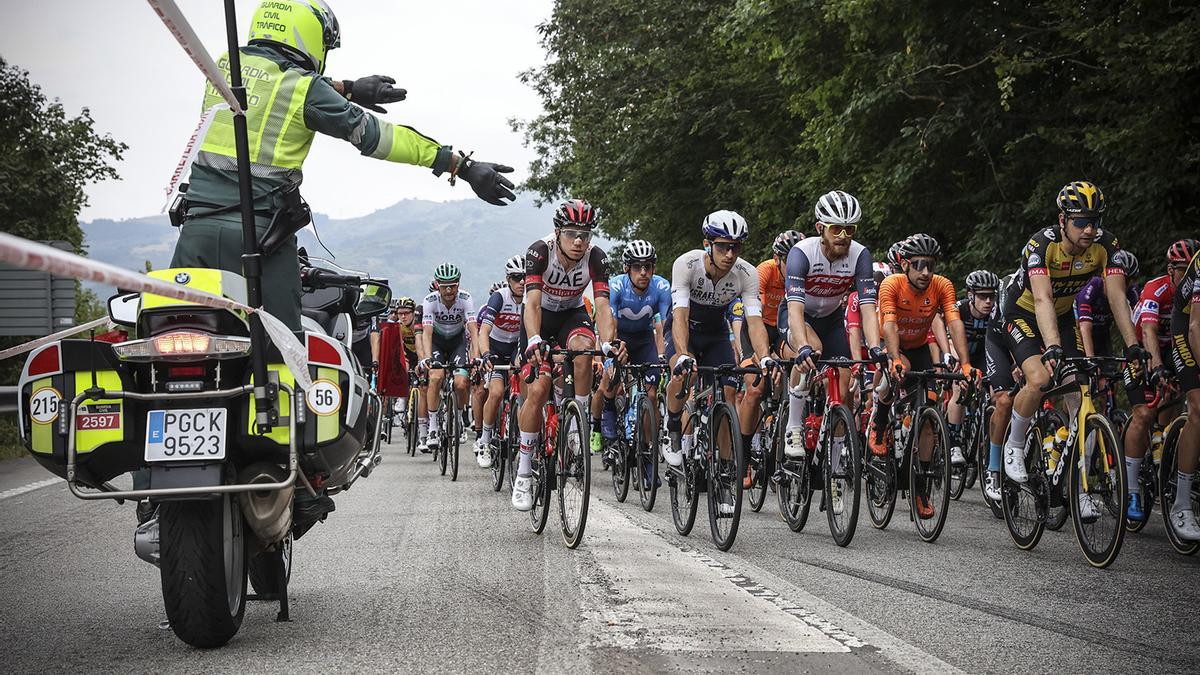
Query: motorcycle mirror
pixel 373 299
pixel 123 308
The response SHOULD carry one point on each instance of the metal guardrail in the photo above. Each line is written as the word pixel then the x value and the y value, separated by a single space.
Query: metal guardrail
pixel 8 400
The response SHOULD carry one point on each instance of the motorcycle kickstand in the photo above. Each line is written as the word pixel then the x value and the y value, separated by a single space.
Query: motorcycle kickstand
pixel 284 615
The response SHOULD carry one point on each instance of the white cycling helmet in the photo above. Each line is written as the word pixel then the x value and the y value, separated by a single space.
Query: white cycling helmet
pixel 726 225
pixel 515 265
pixel 495 287
pixel 639 250
pixel 838 208
pixel 881 270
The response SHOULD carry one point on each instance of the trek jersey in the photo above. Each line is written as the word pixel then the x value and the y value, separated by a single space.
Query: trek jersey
pixel 503 313
pixel 771 290
pixel 1044 256
pixel 1091 303
pixel 821 283
pixel 635 312
pixel 447 322
pixel 707 299
pixel 562 287
pixel 1154 307
pixel 912 310
pixel 976 329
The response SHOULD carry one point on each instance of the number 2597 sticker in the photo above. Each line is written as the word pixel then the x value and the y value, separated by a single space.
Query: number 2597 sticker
pixel 324 397
pixel 44 404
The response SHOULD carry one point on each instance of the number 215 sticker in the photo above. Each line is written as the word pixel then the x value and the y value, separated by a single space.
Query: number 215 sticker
pixel 43 405
pixel 324 397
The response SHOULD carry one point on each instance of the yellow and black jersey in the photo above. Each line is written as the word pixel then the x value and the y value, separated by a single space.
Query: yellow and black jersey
pixel 1187 293
pixel 1044 255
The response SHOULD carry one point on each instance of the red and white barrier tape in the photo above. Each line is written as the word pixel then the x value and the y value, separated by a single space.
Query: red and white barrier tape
pixel 55 337
pixel 41 258
pixel 169 12
pixel 189 153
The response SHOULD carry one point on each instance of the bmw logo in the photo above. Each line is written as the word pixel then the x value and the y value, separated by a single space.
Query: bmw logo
pixel 182 278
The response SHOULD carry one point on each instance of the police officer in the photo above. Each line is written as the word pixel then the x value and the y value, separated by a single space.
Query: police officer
pixel 289 101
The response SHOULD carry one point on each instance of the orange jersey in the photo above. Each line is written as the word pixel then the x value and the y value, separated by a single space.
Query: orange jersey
pixel 770 290
pixel 912 310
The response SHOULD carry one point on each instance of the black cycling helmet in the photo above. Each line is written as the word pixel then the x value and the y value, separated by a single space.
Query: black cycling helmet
pixel 785 241
pixel 1081 198
pixel 982 280
pixel 575 213
pixel 922 245
pixel 1126 260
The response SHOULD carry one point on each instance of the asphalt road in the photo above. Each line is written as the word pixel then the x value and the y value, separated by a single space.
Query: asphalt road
pixel 414 573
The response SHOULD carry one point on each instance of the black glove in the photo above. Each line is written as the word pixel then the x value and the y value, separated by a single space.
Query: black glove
pixel 486 181
pixel 1157 375
pixel 805 355
pixel 371 91
pixel 374 366
pixel 1052 353
pixel 878 355
pixel 1136 352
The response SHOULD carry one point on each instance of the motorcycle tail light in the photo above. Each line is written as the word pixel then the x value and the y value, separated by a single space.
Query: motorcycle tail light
pixel 180 343
pixel 189 345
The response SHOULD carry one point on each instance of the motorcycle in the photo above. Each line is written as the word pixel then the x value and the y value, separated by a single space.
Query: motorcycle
pixel 176 404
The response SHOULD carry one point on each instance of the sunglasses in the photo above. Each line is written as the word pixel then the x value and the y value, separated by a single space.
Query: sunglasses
pixel 1084 222
pixel 922 264
pixel 442 287
pixel 578 235
pixel 724 247
pixel 985 296
pixel 516 277
pixel 842 230
pixel 641 267
pixel 1176 267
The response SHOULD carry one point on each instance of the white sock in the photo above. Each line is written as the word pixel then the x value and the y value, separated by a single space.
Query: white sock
pixel 422 427
pixel 796 409
pixel 1020 427
pixel 487 434
pixel 528 443
pixel 1183 493
pixel 756 439
pixel 583 405
pixel 1133 466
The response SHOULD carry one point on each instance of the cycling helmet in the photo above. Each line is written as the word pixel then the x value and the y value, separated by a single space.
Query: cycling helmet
pixel 433 286
pixel 639 250
pixel 922 245
pixel 880 271
pixel 982 280
pixel 575 213
pixel 447 273
pixel 1081 198
pixel 895 255
pixel 495 287
pixel 514 265
pixel 785 241
pixel 838 208
pixel 304 28
pixel 1126 260
pixel 406 303
pixel 726 225
pixel 1182 251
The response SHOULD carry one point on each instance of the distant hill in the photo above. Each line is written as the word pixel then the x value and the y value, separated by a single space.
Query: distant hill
pixel 402 243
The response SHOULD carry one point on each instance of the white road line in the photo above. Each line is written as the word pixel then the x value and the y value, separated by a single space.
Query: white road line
pixel 30 488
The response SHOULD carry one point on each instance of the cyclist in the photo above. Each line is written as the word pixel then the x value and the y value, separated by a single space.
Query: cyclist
pixel 1154 327
pixel 446 314
pixel 639 299
pixel 558 270
pixel 499 332
pixel 479 385
pixel 703 284
pixel 1092 310
pixel 820 271
pixel 1055 264
pixel 1185 334
pixel 854 332
pixel 907 304
pixel 1001 372
pixel 977 310
pixel 771 286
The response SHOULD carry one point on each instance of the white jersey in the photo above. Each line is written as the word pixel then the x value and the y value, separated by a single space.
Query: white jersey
pixel 821 284
pixel 503 313
pixel 447 322
pixel 707 298
pixel 562 288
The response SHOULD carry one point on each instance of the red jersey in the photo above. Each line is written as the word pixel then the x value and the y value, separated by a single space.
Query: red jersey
pixel 1154 306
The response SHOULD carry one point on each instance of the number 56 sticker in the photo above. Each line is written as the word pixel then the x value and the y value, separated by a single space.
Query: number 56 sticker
pixel 324 397
pixel 43 405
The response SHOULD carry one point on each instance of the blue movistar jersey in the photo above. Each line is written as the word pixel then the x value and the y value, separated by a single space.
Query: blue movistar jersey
pixel 636 312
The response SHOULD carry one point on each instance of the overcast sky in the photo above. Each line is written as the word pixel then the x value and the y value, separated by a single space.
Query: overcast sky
pixel 116 58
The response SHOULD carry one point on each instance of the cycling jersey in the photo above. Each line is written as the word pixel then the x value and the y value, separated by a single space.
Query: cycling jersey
pixel 1153 305
pixel 562 287
pixel 1091 303
pixel 636 312
pixel 770 290
pixel 1187 296
pixel 912 309
pixel 503 313
pixel 821 283
pixel 976 329
pixel 447 322
pixel 1188 293
pixel 1045 256
pixel 706 299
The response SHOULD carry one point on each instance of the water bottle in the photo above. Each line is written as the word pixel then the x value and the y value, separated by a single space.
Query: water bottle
pixel 630 417
pixel 812 430
pixel 1054 445
pixel 1156 445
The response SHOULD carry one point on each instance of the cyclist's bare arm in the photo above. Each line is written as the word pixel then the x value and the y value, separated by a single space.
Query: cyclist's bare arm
pixel 679 329
pixel 1043 304
pixel 533 311
pixel 758 337
pixel 1114 288
pixel 606 323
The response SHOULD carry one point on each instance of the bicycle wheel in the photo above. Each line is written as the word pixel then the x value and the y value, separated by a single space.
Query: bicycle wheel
pixel 725 469
pixel 1026 505
pixel 455 428
pixel 512 441
pixel 496 446
pixel 442 451
pixel 839 443
pixel 683 482
pixel 1098 493
pixel 574 472
pixel 1147 487
pixel 645 440
pixel 929 480
pixel 794 489
pixel 618 452
pixel 879 476
pixel 543 480
pixel 757 460
pixel 1168 474
pixel 412 429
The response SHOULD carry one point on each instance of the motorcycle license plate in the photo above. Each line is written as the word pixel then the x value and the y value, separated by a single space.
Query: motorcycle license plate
pixel 198 433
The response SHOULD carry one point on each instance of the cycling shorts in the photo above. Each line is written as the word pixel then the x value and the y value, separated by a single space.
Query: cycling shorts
pixel 918 358
pixel 709 349
pixel 830 330
pixel 642 350
pixel 559 327
pixel 451 351
pixel 999 361
pixel 1183 355
pixel 503 354
pixel 1023 339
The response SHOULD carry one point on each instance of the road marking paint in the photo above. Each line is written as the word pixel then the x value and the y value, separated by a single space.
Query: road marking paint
pixel 30 488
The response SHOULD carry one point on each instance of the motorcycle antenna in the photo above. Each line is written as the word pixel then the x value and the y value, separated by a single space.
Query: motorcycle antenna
pixel 265 392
